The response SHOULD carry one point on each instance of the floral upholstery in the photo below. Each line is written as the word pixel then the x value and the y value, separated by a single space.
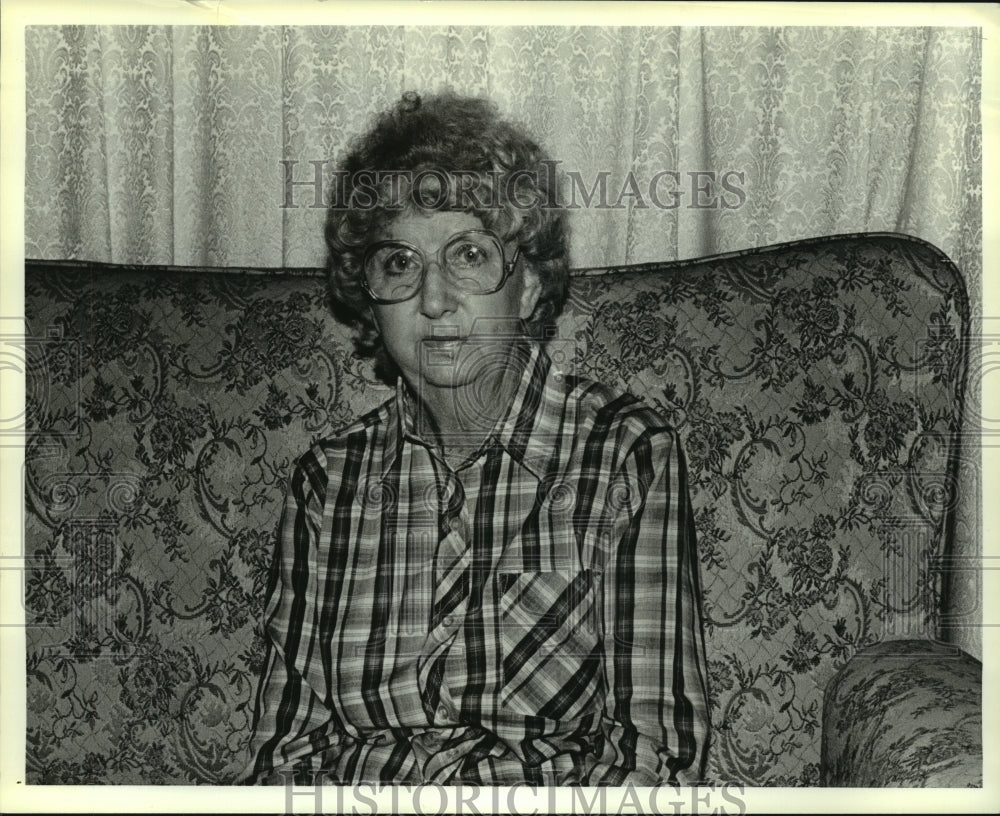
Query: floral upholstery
pixel 816 385
pixel 905 713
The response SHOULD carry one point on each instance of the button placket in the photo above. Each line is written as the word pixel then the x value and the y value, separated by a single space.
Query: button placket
pixel 451 561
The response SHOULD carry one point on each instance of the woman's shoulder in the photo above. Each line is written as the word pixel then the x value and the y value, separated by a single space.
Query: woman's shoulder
pixel 357 435
pixel 611 407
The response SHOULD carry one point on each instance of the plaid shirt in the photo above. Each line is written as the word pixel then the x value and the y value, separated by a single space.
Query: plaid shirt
pixel 532 616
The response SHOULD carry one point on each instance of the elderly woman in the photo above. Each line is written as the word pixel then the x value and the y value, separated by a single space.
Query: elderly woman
pixel 492 577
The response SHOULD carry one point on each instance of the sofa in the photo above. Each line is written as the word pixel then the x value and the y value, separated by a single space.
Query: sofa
pixel 817 387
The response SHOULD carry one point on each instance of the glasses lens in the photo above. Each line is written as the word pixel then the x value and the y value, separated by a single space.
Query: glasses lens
pixel 393 271
pixel 474 262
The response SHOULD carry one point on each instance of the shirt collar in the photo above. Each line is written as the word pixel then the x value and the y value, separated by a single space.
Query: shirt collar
pixel 520 431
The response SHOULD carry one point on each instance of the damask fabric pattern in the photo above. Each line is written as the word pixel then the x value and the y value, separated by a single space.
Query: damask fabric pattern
pixel 905 714
pixel 816 386
pixel 162 145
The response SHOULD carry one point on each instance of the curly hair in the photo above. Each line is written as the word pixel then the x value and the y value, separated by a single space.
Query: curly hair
pixel 460 152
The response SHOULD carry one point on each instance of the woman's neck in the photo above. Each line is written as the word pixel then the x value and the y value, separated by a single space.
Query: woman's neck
pixel 460 418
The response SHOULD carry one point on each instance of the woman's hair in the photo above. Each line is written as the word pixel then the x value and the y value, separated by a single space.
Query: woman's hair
pixel 453 153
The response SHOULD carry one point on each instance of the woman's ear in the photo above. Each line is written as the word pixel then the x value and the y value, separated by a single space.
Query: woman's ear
pixel 531 291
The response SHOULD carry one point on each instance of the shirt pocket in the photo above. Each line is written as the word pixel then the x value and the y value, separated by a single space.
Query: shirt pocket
pixel 550 642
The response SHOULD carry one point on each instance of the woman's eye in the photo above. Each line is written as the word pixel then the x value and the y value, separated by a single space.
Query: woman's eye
pixel 399 263
pixel 471 255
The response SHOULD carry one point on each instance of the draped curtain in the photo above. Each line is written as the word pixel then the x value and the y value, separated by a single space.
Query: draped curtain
pixel 174 144
pixel 165 145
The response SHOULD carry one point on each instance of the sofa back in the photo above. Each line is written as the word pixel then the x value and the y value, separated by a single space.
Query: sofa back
pixel 817 387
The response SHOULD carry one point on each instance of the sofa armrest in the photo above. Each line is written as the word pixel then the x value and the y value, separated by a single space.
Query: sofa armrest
pixel 904 713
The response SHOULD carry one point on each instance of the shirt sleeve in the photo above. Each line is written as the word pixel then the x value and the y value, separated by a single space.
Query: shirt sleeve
pixel 656 709
pixel 294 733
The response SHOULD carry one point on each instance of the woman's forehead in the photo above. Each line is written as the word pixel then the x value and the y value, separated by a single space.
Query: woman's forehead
pixel 430 229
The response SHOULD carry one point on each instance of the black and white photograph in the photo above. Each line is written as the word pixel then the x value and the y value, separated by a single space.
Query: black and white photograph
pixel 422 399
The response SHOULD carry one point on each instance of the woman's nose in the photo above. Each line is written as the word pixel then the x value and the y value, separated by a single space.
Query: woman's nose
pixel 436 296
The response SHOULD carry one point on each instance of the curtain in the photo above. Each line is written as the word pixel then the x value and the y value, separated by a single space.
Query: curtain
pixel 166 144
pixel 214 146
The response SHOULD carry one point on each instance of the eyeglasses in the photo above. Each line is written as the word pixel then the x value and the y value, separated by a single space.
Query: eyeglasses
pixel 472 261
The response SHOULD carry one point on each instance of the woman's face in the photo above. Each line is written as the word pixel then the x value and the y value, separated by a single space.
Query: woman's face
pixel 443 337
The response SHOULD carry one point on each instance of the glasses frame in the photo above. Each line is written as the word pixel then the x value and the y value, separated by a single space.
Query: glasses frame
pixel 371 249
